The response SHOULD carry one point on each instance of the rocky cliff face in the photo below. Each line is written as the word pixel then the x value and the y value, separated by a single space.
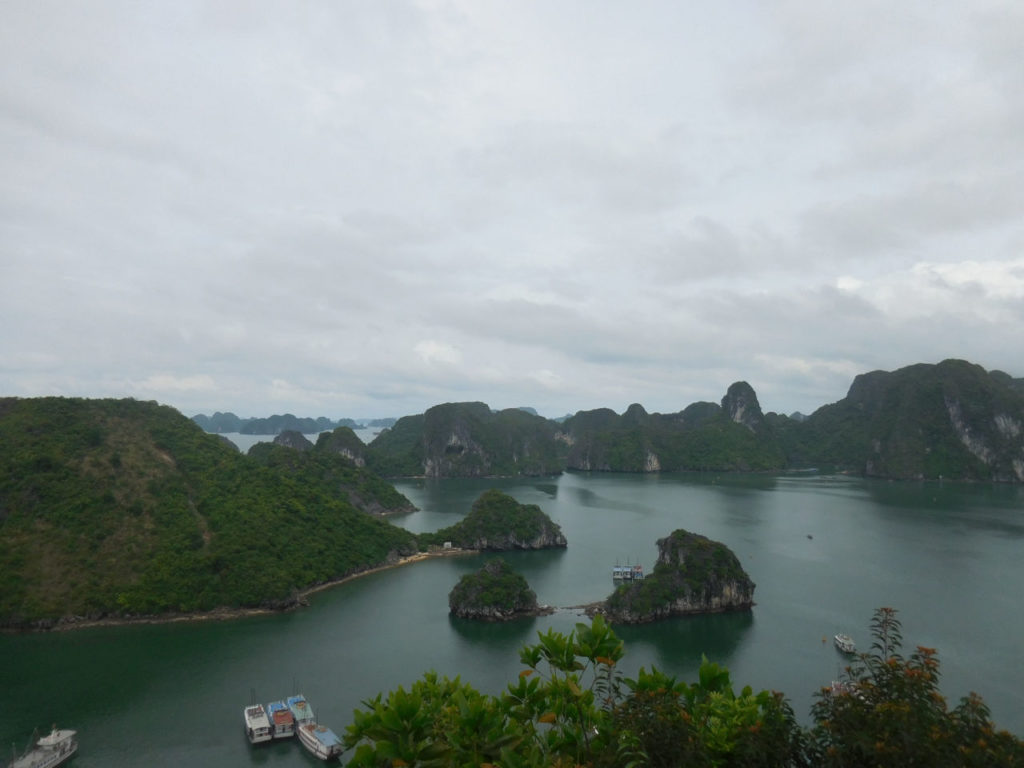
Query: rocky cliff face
pixel 549 537
pixel 741 406
pixel 693 575
pixel 952 420
pixel 344 442
pixel 292 439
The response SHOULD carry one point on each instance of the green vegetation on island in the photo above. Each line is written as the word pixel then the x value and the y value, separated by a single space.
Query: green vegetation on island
pixel 494 593
pixel 468 440
pixel 705 436
pixel 693 575
pixel 120 508
pixel 572 706
pixel 953 420
pixel 499 522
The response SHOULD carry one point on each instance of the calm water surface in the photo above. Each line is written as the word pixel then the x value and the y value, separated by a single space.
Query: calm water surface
pixel 824 552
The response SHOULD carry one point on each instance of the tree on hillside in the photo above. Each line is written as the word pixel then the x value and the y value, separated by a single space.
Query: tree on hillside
pixel 571 706
pixel 888 712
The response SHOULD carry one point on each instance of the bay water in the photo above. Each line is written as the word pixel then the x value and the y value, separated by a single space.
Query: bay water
pixel 825 552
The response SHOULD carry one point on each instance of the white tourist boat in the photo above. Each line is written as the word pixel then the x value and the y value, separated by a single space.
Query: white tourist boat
pixel 845 643
pixel 53 749
pixel 257 724
pixel 320 740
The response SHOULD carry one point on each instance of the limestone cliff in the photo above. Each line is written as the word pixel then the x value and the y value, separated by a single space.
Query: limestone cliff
pixel 952 420
pixel 693 575
pixel 292 439
pixel 741 406
pixel 344 442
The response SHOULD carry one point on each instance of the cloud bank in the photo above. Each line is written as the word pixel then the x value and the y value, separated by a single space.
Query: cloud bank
pixel 352 209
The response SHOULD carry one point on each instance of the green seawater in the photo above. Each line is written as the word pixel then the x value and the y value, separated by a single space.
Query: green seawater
pixel 825 551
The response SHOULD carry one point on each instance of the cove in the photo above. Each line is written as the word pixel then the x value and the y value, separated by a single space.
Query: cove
pixel 825 551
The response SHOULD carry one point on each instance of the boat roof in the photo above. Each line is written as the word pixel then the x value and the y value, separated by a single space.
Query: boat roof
pixel 56 737
pixel 324 735
pixel 280 712
pixel 256 716
pixel 300 707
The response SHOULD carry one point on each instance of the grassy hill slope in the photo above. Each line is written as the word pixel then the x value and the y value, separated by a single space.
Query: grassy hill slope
pixel 119 508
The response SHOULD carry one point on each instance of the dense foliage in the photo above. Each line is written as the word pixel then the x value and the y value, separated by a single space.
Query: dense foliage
pixel 326 467
pixel 499 522
pixel 571 706
pixel 119 507
pixel 889 712
pixel 494 591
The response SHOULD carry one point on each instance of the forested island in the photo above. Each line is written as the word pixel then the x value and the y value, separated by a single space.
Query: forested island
pixel 692 575
pixel 497 522
pixel 494 593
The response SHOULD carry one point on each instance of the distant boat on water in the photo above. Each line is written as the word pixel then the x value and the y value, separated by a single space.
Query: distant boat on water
pixel 845 643
pixel 627 572
pixel 51 750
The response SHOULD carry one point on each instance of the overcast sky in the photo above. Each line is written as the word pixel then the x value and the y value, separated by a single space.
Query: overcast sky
pixel 368 208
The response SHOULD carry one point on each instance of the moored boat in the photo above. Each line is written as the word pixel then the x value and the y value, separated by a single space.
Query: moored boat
pixel 282 722
pixel 51 750
pixel 627 572
pixel 320 740
pixel 301 711
pixel 257 724
pixel 845 643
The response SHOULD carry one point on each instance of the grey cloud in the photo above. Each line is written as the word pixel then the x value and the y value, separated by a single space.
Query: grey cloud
pixel 370 209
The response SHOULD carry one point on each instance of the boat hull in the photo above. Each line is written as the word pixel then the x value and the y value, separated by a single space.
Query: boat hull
pixel 255 736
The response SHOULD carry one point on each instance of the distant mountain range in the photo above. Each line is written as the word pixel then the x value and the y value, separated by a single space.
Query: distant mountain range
pixel 225 423
pixel 950 420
